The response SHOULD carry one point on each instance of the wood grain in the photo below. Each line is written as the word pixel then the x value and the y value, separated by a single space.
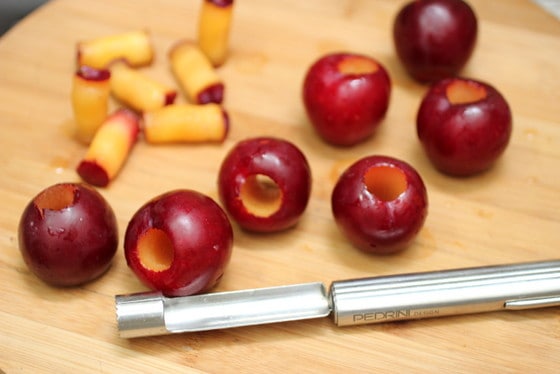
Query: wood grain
pixel 509 214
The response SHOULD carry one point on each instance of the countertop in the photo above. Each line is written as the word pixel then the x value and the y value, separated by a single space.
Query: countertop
pixel 506 215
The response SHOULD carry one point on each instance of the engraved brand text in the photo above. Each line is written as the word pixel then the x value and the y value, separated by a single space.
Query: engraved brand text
pixel 380 316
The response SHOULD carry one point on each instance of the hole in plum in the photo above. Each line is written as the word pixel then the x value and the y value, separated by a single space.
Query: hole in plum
pixel 261 195
pixel 464 92
pixel 57 197
pixel 357 65
pixel 155 250
pixel 385 182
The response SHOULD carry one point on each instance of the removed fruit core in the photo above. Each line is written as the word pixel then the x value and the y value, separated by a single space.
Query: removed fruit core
pixel 357 65
pixel 56 197
pixel 155 250
pixel 385 182
pixel 465 92
pixel 261 195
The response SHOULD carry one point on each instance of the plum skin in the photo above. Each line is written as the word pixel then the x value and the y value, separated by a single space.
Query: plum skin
pixel 201 236
pixel 467 138
pixel 72 244
pixel 434 39
pixel 373 224
pixel 283 163
pixel 345 108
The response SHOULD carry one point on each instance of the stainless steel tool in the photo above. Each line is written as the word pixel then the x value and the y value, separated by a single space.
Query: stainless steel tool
pixel 348 302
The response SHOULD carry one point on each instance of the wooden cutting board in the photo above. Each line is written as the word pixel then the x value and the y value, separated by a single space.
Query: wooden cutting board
pixel 509 214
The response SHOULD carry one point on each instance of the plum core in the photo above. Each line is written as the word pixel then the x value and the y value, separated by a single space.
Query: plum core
pixel 260 195
pixel 57 197
pixel 357 65
pixel 155 250
pixel 385 182
pixel 465 92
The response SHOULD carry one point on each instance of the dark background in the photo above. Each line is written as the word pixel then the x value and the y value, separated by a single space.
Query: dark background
pixel 11 11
